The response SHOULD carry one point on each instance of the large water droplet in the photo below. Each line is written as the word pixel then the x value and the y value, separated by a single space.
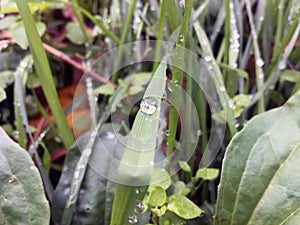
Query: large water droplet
pixel 149 105
pixel 139 208
pixel 132 219
pixel 260 62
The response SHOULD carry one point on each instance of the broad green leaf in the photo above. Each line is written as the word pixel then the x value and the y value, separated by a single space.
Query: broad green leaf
pixel 19 34
pixel 180 188
pixel 290 75
pixel 183 207
pixel 75 34
pixel 170 218
pixel 6 77
pixel 157 196
pixel 22 194
pixel 7 21
pixel 207 173
pixel 259 182
pixel 242 100
pixel 160 177
pixel 106 89
pixel 96 191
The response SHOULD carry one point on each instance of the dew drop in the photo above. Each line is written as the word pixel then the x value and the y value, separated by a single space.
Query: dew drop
pixel 181 37
pixel 76 174
pixel 261 18
pixel 231 104
pixel 207 58
pixel 11 180
pixel 110 135
pixel 149 105
pixel 282 65
pixel 199 132
pixel 222 88
pixel 16 134
pixel 132 219
pixel 87 152
pixel 167 133
pixel 137 191
pixel 260 62
pixel 5 199
pixel 139 208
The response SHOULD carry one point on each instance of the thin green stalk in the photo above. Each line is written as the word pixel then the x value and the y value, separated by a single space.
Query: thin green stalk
pixel 216 75
pixel 44 73
pixel 279 25
pixel 161 26
pixel 227 35
pixel 177 78
pixel 100 24
pixel 123 37
pixel 260 76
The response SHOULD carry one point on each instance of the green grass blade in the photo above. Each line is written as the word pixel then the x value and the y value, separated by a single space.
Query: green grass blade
pixel 260 76
pixel 174 15
pixel 216 75
pixel 137 162
pixel 100 24
pixel 177 77
pixel 44 73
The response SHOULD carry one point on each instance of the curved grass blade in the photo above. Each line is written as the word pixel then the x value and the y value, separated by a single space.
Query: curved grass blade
pixel 44 73
pixel 216 75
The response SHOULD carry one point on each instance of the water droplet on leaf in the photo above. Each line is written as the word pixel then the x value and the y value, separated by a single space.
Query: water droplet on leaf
pixel 222 88
pixel 139 208
pixel 12 179
pixel 260 62
pixel 132 219
pixel 149 105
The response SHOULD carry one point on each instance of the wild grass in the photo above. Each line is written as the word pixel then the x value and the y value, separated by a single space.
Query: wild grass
pixel 248 51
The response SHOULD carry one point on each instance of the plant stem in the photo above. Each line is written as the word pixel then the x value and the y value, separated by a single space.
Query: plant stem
pixel 160 33
pixel 177 78
pixel 123 37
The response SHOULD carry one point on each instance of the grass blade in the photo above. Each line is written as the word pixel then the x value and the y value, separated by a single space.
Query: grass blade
pixel 44 73
pixel 137 162
pixel 177 77
pixel 216 75
pixel 260 76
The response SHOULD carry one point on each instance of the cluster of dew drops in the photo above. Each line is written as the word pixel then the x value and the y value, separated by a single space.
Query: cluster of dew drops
pixel 138 209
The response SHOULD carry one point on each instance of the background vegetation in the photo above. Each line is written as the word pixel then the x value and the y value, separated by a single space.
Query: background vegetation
pixel 249 50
